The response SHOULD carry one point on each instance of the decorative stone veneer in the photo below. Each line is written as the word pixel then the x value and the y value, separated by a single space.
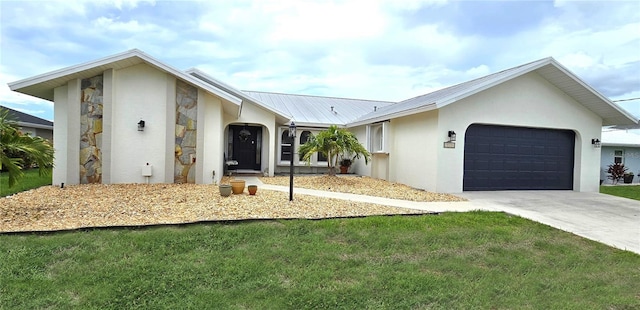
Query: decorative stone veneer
pixel 186 116
pixel 91 130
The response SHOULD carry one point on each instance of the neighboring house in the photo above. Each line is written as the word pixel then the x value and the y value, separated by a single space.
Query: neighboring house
pixel 620 146
pixel 528 127
pixel 32 125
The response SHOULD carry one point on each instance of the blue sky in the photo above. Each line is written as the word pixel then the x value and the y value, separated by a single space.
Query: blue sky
pixel 385 50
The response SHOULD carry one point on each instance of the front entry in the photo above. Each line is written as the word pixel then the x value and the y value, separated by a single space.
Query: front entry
pixel 245 148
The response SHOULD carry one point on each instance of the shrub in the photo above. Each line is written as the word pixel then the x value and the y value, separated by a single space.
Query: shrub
pixel 616 172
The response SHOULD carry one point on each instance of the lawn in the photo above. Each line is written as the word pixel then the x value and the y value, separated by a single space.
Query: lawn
pixel 31 179
pixel 449 261
pixel 628 191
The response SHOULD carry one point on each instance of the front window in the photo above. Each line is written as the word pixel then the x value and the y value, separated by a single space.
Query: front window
pixel 286 146
pixel 304 137
pixel 376 139
pixel 618 156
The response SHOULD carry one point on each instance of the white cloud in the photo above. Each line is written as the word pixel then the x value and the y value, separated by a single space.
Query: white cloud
pixel 362 49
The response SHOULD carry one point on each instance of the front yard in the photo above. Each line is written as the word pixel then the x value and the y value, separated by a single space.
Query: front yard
pixel 626 191
pixel 448 261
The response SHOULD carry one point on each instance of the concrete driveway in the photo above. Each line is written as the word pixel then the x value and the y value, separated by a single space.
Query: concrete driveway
pixel 608 219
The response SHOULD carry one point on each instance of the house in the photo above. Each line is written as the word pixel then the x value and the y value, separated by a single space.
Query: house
pixel 32 125
pixel 129 118
pixel 620 146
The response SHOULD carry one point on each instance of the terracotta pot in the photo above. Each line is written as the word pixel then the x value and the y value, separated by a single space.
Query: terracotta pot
pixel 344 169
pixel 225 190
pixel 252 189
pixel 237 186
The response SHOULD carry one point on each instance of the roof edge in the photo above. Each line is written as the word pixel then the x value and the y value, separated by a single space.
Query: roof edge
pixel 206 78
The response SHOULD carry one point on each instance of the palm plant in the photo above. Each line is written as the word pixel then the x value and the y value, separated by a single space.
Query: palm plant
pixel 334 143
pixel 13 142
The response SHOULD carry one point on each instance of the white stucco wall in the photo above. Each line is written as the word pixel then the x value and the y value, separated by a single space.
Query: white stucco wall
pixel 527 101
pixel 60 134
pixel 67 133
pixel 359 167
pixel 210 147
pixel 140 94
pixel 413 154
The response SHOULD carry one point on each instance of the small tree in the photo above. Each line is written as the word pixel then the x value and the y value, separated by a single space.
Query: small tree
pixel 14 146
pixel 334 143
pixel 616 172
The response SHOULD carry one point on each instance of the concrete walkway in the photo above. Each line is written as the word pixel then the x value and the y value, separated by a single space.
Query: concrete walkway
pixel 604 218
pixel 464 206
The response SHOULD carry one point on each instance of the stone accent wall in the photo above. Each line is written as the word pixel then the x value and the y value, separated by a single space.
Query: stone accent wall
pixel 91 130
pixel 186 117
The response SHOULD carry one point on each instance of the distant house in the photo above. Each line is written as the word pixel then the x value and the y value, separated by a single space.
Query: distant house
pixel 620 146
pixel 32 125
pixel 525 128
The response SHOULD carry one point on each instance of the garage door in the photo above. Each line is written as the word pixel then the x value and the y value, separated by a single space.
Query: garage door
pixel 517 158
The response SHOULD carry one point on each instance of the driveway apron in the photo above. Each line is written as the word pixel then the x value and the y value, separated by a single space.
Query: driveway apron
pixel 611 220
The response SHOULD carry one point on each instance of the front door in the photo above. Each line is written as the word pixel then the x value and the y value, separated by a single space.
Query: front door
pixel 246 149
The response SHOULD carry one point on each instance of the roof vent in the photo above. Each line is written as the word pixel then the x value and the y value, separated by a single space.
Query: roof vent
pixel 334 111
pixel 375 108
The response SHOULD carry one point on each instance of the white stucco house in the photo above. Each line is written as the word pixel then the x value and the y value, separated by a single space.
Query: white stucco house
pixel 620 146
pixel 528 127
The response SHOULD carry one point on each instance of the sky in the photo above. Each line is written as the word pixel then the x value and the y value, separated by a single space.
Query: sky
pixel 382 50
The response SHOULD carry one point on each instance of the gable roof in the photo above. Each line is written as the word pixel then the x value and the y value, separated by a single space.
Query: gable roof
pixel 280 116
pixel 28 120
pixel 548 68
pixel 318 111
pixel 42 85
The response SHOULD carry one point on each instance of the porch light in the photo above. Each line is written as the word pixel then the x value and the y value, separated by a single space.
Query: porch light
pixel 141 125
pixel 596 143
pixel 292 135
pixel 452 136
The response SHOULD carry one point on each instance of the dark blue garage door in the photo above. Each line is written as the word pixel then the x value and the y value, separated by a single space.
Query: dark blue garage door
pixel 517 158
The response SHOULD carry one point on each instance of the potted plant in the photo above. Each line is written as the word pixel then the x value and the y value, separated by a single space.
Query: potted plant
pixel 616 172
pixel 345 163
pixel 225 190
pixel 237 186
pixel 628 177
pixel 252 189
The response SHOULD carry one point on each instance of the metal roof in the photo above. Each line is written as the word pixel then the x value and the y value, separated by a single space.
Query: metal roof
pixel 42 85
pixel 620 138
pixel 29 120
pixel 282 117
pixel 324 111
pixel 315 110
pixel 548 68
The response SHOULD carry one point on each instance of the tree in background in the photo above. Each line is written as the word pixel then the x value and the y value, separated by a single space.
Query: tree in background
pixel 334 143
pixel 14 146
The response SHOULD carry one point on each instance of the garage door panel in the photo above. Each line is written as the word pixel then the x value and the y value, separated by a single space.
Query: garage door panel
pixel 518 158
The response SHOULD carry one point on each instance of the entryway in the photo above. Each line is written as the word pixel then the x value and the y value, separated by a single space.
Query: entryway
pixel 245 147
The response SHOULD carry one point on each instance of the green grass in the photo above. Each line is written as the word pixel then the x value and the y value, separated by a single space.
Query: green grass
pixel 629 191
pixel 30 180
pixel 448 261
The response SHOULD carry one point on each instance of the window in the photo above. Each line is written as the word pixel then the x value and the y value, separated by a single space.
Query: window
pixel 618 156
pixel 286 146
pixel 377 137
pixel 304 137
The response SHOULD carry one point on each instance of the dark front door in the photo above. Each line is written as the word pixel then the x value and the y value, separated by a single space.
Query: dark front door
pixel 246 149
pixel 517 158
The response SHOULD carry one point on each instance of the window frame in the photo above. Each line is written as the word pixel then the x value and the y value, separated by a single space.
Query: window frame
pixel 281 144
pixel 296 143
pixel 377 135
pixel 621 156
